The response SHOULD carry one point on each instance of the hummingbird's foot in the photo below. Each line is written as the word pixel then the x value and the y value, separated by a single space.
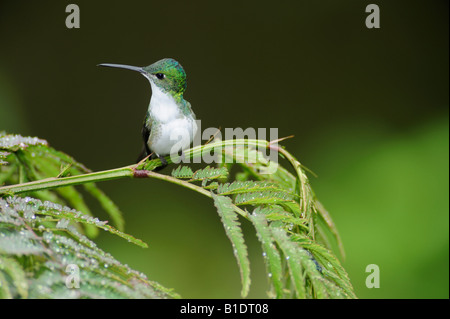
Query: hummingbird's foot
pixel 163 162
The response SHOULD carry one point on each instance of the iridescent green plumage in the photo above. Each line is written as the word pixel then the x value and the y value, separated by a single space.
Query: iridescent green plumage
pixel 174 75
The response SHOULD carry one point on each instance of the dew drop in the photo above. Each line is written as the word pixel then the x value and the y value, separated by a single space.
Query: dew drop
pixel 62 223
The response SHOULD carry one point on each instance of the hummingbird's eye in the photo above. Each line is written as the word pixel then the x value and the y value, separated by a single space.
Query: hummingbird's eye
pixel 160 76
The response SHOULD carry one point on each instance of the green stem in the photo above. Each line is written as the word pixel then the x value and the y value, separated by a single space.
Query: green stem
pixel 55 182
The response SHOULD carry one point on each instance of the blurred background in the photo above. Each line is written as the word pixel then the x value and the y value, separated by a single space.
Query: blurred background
pixel 368 108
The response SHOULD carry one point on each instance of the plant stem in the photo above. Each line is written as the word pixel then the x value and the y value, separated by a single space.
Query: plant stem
pixel 55 182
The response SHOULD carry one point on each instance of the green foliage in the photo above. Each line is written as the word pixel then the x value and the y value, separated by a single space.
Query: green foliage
pixel 40 240
pixel 31 159
pixel 238 187
pixel 41 235
pixel 271 255
pixel 183 172
pixel 232 228
pixel 39 243
pixel 293 227
pixel 207 173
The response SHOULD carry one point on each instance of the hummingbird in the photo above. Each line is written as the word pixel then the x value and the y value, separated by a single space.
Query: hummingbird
pixel 169 125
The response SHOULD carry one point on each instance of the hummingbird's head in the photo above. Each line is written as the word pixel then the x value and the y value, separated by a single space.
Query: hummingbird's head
pixel 167 74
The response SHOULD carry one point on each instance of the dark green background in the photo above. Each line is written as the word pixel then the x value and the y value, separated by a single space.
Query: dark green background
pixel 368 108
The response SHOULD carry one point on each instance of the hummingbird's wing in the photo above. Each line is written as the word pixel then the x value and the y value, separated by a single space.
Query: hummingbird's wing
pixel 146 130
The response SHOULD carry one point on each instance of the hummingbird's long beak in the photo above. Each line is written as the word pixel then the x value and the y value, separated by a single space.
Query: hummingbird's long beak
pixel 123 66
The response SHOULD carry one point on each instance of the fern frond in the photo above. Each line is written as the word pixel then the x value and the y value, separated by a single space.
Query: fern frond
pixel 321 287
pixel 32 159
pixel 279 214
pixel 209 173
pixel 32 207
pixel 10 267
pixel 13 142
pixel 325 217
pixel 182 172
pixel 299 259
pixel 271 255
pixel 46 236
pixel 331 267
pixel 225 209
pixel 212 185
pixel 264 197
pixel 248 186
pixel 295 265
